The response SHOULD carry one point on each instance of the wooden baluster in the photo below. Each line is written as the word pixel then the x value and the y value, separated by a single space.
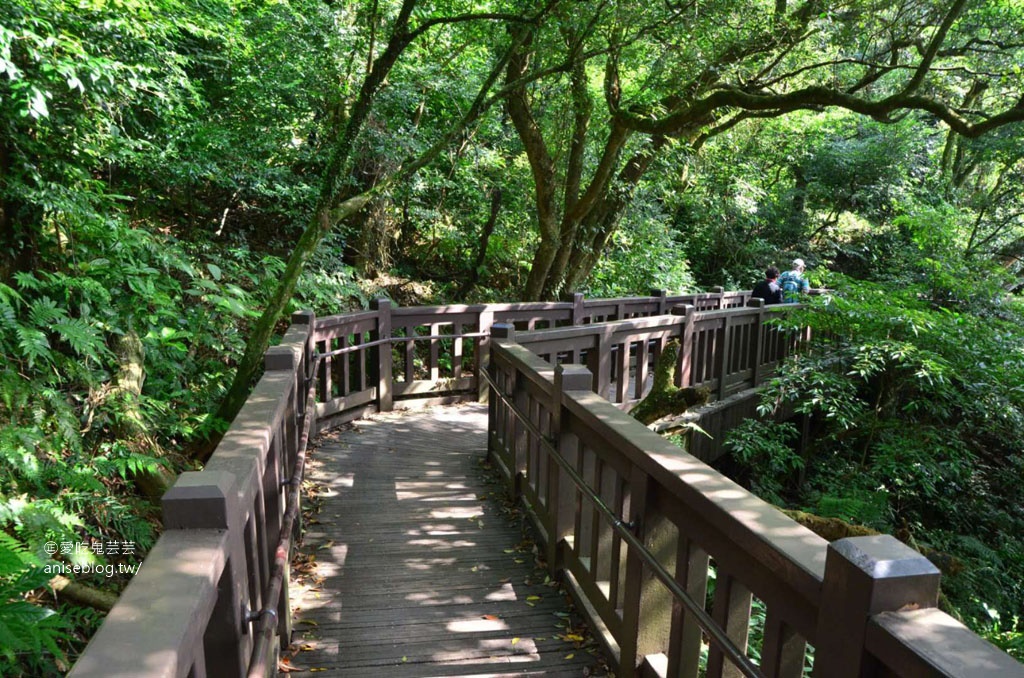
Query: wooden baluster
pixel 324 385
pixel 647 604
pixel 731 611
pixel 718 297
pixel 344 365
pixel 782 654
pixel 359 362
pixel 722 345
pixel 757 341
pixel 684 369
pixel 409 354
pixel 685 642
pixel 504 377
pixel 457 329
pixel 662 297
pixel 622 369
pixel 435 352
pixel 642 356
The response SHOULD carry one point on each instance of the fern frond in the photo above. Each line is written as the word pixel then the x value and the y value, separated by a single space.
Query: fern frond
pixel 27 281
pixel 81 336
pixel 33 344
pixel 44 312
pixel 9 295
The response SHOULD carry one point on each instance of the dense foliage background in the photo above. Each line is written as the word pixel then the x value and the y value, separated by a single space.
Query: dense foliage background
pixel 176 175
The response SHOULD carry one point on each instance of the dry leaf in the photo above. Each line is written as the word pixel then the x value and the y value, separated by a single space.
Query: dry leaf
pixel 570 655
pixel 533 597
pixel 490 617
pixel 515 640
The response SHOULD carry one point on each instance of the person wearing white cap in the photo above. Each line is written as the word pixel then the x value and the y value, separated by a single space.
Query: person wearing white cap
pixel 793 282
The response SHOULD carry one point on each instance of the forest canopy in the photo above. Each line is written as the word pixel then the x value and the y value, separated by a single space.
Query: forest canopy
pixel 175 177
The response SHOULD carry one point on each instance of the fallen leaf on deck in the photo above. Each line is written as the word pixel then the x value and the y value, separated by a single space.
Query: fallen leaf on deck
pixel 570 655
pixel 515 640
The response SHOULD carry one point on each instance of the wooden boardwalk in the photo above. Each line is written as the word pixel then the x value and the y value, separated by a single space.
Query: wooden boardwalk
pixel 421 569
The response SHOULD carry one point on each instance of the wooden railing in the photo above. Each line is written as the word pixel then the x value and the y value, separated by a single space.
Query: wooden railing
pixel 197 604
pixel 724 351
pixel 630 522
pixel 434 353
pixel 208 589
pixel 643 535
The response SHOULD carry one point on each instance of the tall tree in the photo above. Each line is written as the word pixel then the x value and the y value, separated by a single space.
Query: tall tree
pixel 337 200
pixel 690 71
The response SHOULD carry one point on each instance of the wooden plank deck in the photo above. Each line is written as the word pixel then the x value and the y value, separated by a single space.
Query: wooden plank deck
pixel 425 571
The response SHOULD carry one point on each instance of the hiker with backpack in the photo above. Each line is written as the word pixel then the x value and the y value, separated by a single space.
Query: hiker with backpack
pixel 793 282
pixel 768 289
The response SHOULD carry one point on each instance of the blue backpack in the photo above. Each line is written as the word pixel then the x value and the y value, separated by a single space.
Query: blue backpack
pixel 790 283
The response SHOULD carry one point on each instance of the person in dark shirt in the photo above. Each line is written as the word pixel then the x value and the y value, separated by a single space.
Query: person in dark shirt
pixel 768 289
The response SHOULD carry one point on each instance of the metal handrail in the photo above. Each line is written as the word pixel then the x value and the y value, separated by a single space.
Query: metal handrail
pixel 623 529
pixel 267 618
pixel 399 340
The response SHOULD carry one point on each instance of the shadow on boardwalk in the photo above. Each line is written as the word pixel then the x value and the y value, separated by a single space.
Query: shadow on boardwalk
pixel 418 566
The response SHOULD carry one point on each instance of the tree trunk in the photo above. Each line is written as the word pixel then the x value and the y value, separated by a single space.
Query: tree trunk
pixel 131 426
pixel 331 209
pixel 259 337
pixel 602 220
pixel 83 594
pixel 473 276
pixel 543 258
pixel 665 397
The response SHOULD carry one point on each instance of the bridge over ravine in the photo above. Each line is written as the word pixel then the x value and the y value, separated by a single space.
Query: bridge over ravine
pixel 677 570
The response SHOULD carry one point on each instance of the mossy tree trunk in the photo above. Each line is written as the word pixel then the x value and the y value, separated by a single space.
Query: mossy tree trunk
pixel 666 398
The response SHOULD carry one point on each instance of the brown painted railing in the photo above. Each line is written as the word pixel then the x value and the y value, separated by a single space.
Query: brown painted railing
pixel 435 353
pixel 639 529
pixel 629 521
pixel 197 605
pixel 724 351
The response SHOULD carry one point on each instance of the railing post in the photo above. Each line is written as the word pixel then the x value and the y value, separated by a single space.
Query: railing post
pixel 484 323
pixel 756 340
pixel 503 333
pixel 560 499
pixel 683 374
pixel 720 292
pixel 865 576
pixel 307 319
pixel 385 401
pixel 207 500
pixel 662 296
pixel 578 308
